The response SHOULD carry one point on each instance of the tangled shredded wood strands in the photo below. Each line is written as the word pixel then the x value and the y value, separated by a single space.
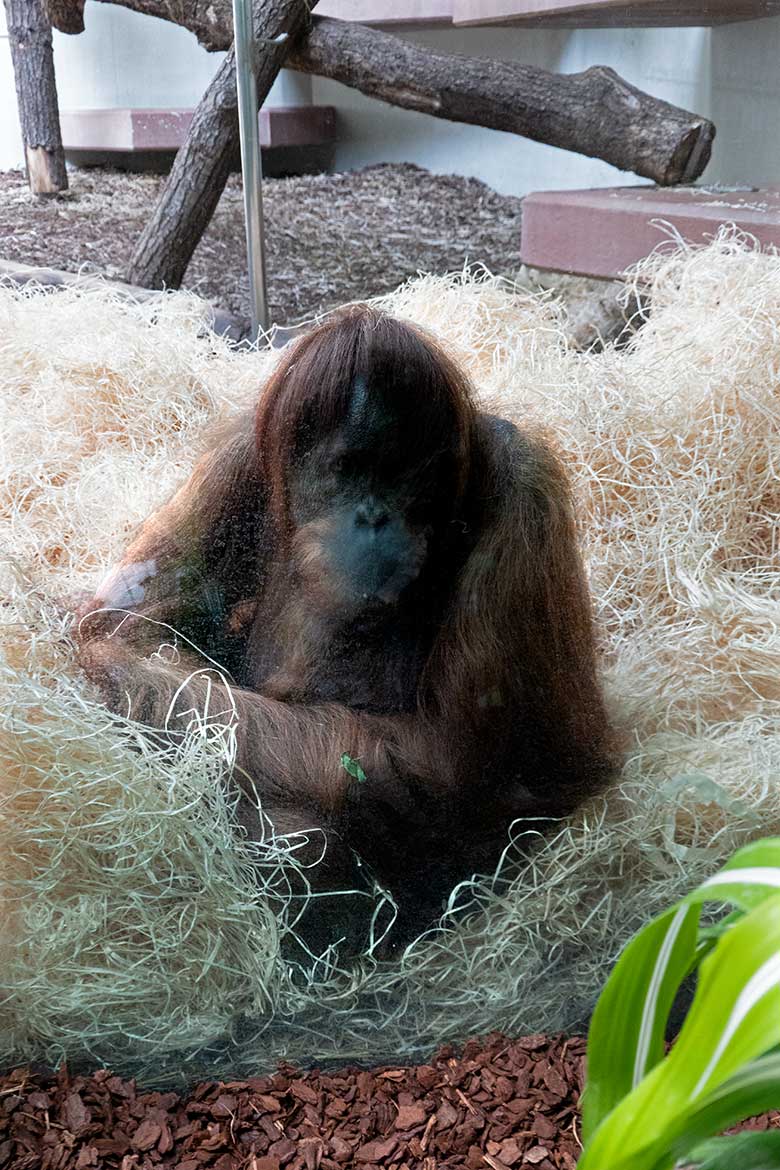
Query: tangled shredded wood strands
pixel 133 927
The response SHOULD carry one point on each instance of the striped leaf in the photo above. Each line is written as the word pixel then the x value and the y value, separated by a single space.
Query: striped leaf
pixel 752 1090
pixel 626 1038
pixel 635 1100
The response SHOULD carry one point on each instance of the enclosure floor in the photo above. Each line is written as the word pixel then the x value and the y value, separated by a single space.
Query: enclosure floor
pixel 498 1103
pixel 330 238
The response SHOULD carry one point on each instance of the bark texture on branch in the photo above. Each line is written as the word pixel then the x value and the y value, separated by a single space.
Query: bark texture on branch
pixel 595 113
pixel 67 16
pixel 192 190
pixel 29 34
pixel 203 163
pixel 212 23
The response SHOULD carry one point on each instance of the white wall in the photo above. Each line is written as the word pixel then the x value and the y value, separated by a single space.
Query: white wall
pixel 729 73
pixel 746 102
pixel 126 59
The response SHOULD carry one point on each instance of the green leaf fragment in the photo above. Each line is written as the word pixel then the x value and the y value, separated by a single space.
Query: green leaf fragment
pixel 353 767
pixel 747 1151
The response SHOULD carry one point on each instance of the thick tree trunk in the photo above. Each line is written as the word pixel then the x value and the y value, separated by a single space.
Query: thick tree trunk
pixel 29 33
pixel 203 163
pixel 192 190
pixel 595 113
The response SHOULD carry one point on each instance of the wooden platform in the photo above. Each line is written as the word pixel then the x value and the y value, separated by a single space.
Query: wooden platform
pixel 129 131
pixel 389 12
pixel 602 232
pixel 611 13
pixel 550 13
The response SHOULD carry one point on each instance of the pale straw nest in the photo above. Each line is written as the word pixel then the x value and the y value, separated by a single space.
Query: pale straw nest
pixel 136 928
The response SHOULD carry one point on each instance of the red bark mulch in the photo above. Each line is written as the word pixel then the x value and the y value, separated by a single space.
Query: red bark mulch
pixel 498 1104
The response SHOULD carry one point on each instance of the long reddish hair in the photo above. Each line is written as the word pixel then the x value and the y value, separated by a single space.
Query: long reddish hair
pixel 310 391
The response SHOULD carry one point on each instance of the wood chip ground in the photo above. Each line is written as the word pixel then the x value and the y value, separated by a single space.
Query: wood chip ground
pixel 330 238
pixel 497 1104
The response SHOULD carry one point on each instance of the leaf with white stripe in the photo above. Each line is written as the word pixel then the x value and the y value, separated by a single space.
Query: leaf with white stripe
pixel 734 1018
pixel 754 1089
pixel 735 1015
pixel 751 875
pixel 626 1037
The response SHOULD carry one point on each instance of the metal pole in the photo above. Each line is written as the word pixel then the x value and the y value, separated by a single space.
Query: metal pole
pixel 251 163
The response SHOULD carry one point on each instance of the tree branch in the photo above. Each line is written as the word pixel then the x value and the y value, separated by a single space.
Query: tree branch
pixel 203 163
pixel 595 113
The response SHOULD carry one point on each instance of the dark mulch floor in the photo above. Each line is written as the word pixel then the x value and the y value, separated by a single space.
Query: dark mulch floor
pixel 498 1104
pixel 330 238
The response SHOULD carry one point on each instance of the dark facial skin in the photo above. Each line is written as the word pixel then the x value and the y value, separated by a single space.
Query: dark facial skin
pixel 369 503
pixel 363 509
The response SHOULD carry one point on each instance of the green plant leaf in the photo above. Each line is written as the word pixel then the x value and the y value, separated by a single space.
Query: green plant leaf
pixel 750 876
pixel 353 767
pixel 754 1089
pixel 747 1151
pixel 627 1031
pixel 626 1037
pixel 734 1018
pixel 735 1015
